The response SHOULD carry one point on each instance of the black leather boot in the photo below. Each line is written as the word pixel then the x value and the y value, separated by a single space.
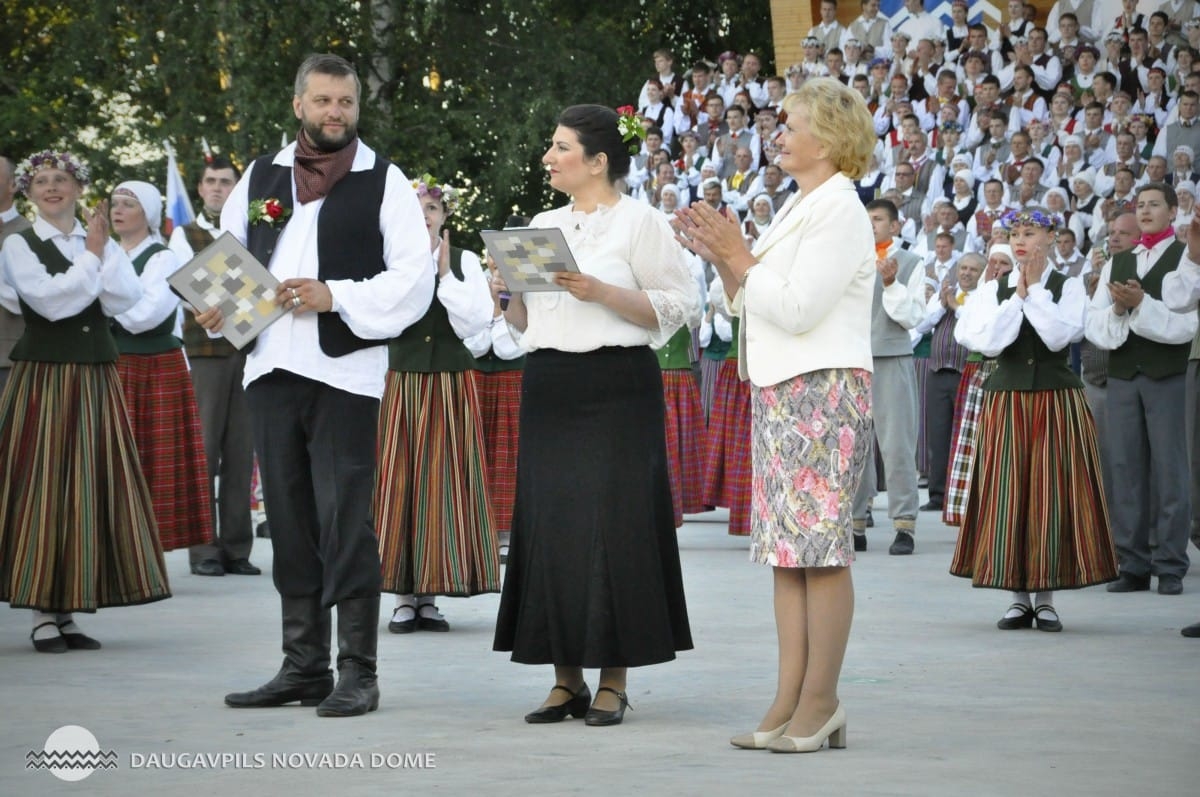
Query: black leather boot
pixel 305 675
pixel 357 691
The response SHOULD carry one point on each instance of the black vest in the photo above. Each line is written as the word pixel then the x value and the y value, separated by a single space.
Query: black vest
pixel 82 338
pixel 1027 363
pixel 153 341
pixel 431 346
pixel 1137 354
pixel 349 241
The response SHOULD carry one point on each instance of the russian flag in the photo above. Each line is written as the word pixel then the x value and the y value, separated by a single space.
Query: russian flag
pixel 179 207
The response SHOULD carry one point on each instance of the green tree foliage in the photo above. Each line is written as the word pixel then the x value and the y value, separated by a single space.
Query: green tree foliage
pixel 112 80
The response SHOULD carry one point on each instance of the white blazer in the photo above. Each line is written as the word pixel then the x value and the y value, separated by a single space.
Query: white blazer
pixel 806 306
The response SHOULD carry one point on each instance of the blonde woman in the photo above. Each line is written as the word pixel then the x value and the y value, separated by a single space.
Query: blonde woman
pixel 804 297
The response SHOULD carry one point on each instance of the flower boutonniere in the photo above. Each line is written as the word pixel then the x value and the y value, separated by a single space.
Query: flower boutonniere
pixel 630 127
pixel 270 211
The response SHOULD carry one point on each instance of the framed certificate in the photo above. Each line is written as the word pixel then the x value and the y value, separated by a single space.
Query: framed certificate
pixel 224 274
pixel 528 258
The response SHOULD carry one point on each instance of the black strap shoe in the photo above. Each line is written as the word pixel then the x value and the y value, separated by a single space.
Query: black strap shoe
pixel 597 716
pixel 55 644
pixel 576 706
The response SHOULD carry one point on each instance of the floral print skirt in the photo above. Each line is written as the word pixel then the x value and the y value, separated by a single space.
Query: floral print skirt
pixel 811 439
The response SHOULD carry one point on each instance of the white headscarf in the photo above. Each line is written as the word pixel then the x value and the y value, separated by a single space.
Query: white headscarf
pixel 150 200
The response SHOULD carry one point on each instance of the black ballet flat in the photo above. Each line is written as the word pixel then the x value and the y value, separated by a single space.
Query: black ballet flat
pixel 52 645
pixel 1023 620
pixel 78 641
pixel 577 707
pixel 597 716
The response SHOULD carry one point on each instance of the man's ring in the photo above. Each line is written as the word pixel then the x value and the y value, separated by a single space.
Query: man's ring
pixel 293 290
pixel 297 301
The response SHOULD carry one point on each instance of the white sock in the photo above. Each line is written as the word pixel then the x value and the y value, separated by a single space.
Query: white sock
pixel 427 608
pixel 406 609
pixel 1020 599
pixel 66 623
pixel 46 631
pixel 1046 599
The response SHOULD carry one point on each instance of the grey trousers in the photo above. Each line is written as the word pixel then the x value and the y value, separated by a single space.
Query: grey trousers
pixel 1149 465
pixel 894 405
pixel 941 388
pixel 1192 425
pixel 229 446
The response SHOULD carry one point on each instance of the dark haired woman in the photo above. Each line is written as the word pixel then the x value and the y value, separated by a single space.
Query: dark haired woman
pixel 593 574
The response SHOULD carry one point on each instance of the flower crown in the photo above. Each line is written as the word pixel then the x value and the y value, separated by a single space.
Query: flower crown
pixel 630 128
pixel 49 159
pixel 429 186
pixel 1037 218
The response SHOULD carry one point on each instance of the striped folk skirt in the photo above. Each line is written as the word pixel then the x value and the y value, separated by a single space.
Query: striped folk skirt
pixel 685 442
pixel 162 408
pixel 727 469
pixel 77 528
pixel 1036 517
pixel 500 407
pixel 967 406
pixel 431 503
pixel 812 440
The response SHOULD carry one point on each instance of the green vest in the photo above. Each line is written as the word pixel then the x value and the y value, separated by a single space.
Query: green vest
pixel 676 355
pixel 82 338
pixel 431 346
pixel 732 353
pixel 1137 354
pixel 1026 363
pixel 489 363
pixel 717 348
pixel 153 341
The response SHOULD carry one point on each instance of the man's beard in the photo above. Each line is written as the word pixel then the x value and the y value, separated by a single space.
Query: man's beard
pixel 325 143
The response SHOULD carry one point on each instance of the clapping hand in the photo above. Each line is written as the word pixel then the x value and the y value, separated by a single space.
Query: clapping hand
pixel 887 269
pixel 97 228
pixel 1126 295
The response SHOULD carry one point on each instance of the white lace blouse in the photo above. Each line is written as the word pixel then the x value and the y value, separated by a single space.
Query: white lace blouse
pixel 629 245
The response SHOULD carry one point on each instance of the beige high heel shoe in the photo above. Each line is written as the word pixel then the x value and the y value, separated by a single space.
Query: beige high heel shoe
pixel 834 730
pixel 758 740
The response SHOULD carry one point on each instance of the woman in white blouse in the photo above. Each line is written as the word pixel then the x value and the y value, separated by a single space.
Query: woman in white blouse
pixel 72 483
pixel 159 395
pixel 804 297
pixel 593 576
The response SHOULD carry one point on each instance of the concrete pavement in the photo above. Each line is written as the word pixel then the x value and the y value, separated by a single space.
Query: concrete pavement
pixel 939 702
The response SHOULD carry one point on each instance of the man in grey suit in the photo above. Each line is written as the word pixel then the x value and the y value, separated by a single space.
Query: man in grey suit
pixel 11 326
pixel 899 305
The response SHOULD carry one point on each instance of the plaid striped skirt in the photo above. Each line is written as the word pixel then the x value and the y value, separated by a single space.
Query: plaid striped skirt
pixel 685 430
pixel 967 405
pixel 500 408
pixel 727 469
pixel 812 441
pixel 162 409
pixel 431 504
pixel 77 529
pixel 1036 517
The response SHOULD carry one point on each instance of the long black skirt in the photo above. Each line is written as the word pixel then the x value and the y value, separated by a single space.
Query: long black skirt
pixel 593 576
